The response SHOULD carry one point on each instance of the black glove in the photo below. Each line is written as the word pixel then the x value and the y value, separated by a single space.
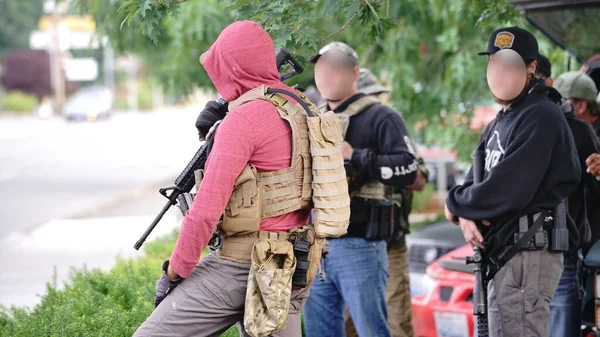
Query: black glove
pixel 213 112
pixel 164 286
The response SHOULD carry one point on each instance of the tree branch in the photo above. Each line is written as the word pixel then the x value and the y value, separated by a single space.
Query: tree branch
pixel 339 30
pixel 179 2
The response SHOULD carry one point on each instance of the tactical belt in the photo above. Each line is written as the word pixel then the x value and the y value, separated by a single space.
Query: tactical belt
pixel 523 241
pixel 238 248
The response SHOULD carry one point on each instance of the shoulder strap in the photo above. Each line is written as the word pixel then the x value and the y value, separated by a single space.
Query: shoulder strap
pixel 261 92
pixel 301 100
pixel 361 105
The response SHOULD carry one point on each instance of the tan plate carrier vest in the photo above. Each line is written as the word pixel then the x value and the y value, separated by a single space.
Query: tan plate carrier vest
pixel 372 189
pixel 315 179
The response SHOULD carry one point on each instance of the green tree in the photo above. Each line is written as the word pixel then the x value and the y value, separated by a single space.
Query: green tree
pixel 425 49
pixel 18 19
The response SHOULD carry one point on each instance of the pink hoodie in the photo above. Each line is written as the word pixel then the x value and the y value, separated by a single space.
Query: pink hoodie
pixel 242 58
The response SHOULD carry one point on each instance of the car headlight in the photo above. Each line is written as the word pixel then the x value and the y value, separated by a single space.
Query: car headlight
pixel 430 255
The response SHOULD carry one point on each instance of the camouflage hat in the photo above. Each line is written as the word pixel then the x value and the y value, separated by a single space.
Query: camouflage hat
pixel 338 51
pixel 367 83
pixel 575 84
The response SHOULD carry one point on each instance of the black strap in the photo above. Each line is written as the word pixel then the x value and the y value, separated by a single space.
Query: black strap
pixel 294 96
pixel 518 246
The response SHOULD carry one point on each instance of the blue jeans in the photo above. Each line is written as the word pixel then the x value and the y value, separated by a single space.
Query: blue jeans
pixel 565 307
pixel 355 274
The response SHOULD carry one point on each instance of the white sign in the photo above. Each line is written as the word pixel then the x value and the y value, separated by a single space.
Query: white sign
pixel 67 40
pixel 81 69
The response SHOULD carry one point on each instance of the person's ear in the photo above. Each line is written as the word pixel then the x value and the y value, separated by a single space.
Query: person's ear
pixel 584 106
pixel 531 68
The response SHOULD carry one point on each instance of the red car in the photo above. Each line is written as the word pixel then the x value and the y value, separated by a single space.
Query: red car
pixel 446 309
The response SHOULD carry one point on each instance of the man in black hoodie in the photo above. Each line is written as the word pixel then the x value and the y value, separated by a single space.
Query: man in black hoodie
pixel 531 167
pixel 381 160
pixel 565 307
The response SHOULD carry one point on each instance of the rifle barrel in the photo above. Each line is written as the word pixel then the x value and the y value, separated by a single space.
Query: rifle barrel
pixel 144 236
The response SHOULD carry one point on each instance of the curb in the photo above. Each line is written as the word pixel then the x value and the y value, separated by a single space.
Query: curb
pixel 127 196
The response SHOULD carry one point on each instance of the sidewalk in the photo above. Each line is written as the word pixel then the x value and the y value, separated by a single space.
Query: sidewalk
pixel 28 259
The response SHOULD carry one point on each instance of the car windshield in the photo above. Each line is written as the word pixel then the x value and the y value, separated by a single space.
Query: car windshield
pixel 574 25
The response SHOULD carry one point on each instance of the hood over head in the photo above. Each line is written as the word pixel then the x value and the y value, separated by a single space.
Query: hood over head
pixel 242 58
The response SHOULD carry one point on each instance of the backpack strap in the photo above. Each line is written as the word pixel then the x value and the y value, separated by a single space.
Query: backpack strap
pixel 361 105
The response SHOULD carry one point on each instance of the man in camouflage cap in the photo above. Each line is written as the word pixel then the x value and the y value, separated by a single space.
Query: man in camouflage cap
pixel 581 90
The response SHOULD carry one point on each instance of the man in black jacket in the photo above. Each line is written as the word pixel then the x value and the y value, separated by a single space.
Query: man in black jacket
pixel 565 307
pixel 531 167
pixel 379 160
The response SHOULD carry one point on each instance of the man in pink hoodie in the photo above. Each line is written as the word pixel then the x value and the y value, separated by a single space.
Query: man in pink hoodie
pixel 211 293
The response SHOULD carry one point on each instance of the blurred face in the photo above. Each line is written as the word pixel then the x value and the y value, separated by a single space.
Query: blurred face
pixel 336 79
pixel 581 107
pixel 507 75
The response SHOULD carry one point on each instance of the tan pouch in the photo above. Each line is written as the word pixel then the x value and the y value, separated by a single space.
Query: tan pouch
pixel 269 289
pixel 243 212
pixel 330 187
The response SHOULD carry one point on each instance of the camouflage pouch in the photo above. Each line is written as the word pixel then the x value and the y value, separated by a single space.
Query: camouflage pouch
pixel 269 289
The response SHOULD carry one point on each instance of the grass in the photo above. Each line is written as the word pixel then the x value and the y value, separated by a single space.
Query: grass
pixel 95 302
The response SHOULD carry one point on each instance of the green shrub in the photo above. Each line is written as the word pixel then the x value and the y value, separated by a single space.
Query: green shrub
pixel 145 102
pixel 17 101
pixel 422 198
pixel 95 302
pixel 144 92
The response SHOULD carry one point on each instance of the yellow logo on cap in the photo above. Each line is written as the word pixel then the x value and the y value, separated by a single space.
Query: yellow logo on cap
pixel 504 40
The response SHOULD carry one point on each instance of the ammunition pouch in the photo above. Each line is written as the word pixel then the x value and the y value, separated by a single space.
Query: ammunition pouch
pixel 381 220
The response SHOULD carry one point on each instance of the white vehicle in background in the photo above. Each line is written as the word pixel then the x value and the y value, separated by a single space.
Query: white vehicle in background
pixel 90 104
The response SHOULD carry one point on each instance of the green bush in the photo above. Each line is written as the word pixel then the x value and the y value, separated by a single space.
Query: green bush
pixel 422 198
pixel 95 302
pixel 18 101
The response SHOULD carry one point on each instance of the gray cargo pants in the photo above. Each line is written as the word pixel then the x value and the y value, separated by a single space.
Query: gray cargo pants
pixel 520 293
pixel 210 301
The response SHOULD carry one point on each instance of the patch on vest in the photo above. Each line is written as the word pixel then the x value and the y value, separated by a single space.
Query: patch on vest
pixel 504 40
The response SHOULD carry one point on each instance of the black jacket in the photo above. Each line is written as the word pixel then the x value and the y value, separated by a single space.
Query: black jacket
pixel 382 152
pixel 531 164
pixel 586 143
pixel 593 202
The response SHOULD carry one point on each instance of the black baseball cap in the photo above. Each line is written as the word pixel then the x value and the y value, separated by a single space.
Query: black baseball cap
pixel 544 66
pixel 515 38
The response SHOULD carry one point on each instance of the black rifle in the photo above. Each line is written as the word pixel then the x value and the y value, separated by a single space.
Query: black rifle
pixel 480 266
pixel 186 180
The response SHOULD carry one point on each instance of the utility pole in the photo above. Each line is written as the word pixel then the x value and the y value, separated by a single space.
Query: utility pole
pixel 56 62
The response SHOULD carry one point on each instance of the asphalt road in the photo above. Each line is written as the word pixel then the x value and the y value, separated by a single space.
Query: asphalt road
pixel 53 169
pixel 75 195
